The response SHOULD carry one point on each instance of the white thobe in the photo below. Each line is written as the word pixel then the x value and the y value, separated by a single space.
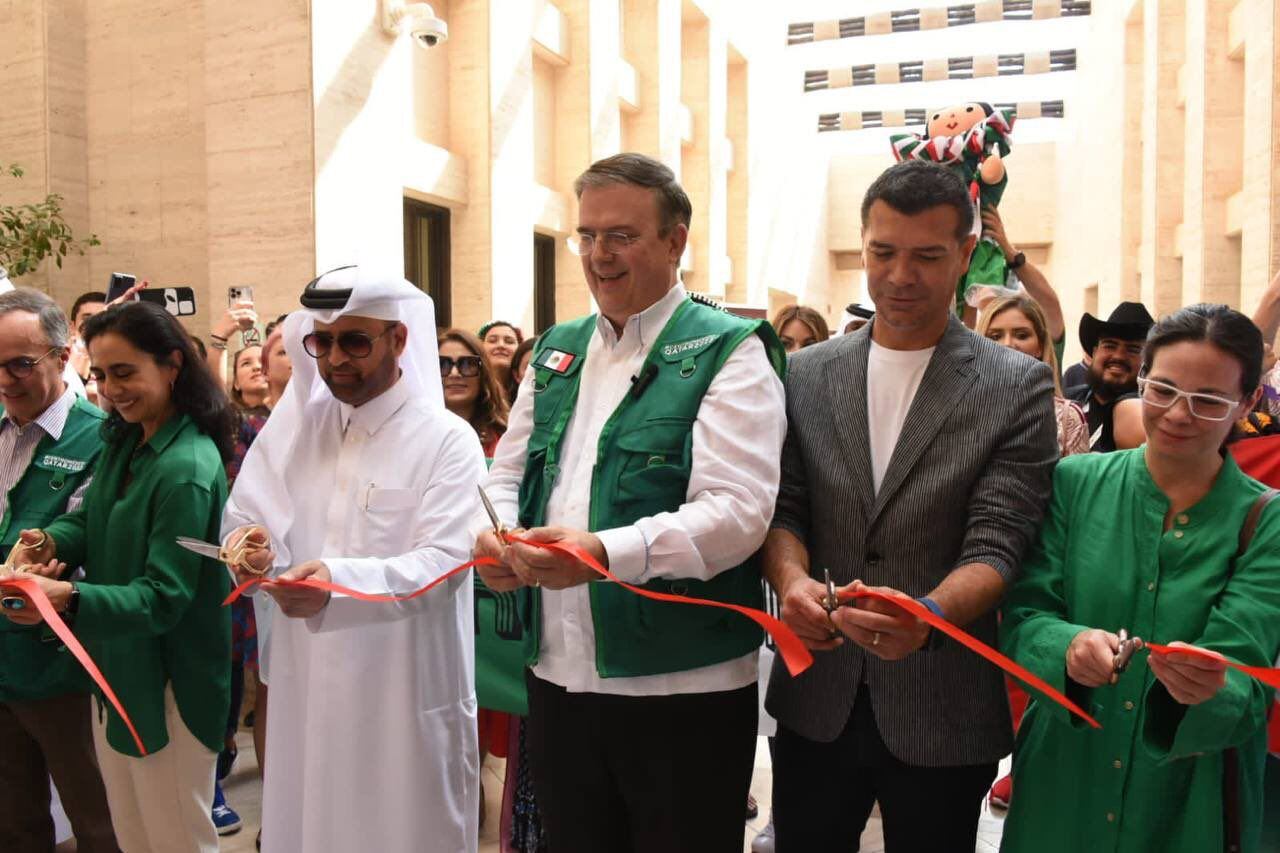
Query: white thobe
pixel 373 743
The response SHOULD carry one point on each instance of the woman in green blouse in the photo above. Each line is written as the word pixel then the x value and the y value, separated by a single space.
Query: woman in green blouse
pixel 1146 540
pixel 148 611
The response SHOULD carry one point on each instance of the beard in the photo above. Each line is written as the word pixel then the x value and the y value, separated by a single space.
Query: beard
pixel 1108 389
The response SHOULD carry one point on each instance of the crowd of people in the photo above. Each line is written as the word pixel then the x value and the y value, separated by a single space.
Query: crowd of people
pixel 339 468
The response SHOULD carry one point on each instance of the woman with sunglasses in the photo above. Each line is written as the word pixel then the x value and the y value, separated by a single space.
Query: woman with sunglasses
pixel 1146 541
pixel 472 390
pixel 148 611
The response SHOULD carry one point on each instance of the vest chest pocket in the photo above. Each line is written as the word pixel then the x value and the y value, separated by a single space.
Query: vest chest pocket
pixel 654 476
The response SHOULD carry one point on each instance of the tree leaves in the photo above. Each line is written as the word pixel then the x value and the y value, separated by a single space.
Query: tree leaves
pixel 29 233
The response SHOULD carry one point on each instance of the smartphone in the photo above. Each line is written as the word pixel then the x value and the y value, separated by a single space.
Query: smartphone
pixel 120 282
pixel 178 301
pixel 241 293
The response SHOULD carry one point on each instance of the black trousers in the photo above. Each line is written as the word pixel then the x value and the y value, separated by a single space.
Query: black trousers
pixel 823 793
pixel 615 774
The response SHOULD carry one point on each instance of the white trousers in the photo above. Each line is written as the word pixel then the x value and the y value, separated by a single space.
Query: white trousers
pixel 162 802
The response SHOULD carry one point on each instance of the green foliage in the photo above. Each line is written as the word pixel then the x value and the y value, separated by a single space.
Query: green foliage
pixel 29 233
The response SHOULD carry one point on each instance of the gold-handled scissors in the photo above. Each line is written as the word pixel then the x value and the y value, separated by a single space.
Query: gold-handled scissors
pixel 18 602
pixel 235 554
pixel 1128 646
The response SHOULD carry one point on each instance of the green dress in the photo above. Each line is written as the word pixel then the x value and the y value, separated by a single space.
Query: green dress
pixel 1151 778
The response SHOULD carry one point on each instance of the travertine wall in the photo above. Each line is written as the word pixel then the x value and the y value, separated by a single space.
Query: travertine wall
pixel 177 132
pixel 1181 161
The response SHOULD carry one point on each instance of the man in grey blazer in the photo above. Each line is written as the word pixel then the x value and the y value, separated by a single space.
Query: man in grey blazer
pixel 917 460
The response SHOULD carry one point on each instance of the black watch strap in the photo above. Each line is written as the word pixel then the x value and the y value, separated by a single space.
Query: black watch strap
pixel 73 602
pixel 1018 260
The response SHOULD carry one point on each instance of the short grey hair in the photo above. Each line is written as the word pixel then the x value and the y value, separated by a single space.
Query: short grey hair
pixel 638 170
pixel 52 321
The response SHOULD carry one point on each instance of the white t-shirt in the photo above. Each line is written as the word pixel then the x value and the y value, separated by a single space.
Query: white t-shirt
pixel 892 379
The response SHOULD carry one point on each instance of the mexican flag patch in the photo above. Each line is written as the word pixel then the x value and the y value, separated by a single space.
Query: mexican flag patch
pixel 556 361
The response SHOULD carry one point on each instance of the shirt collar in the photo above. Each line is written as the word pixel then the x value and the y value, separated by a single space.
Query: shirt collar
pixel 1226 483
pixel 646 325
pixel 168 432
pixel 53 419
pixel 374 413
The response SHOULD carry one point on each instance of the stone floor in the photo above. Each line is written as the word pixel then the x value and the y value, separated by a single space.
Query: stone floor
pixel 244 793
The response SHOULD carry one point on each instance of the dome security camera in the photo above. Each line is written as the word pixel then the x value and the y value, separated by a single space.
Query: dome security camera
pixel 419 19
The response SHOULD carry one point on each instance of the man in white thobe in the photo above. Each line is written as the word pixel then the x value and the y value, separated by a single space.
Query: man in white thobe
pixel 362 477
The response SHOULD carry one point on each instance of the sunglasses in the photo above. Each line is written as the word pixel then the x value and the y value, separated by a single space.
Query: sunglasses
pixel 468 365
pixel 21 367
pixel 354 344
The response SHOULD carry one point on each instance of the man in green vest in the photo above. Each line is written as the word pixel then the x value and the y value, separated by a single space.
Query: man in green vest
pixel 649 436
pixel 49 441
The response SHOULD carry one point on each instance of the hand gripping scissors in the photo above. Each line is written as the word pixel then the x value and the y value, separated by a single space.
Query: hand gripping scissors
pixel 17 602
pixel 1128 646
pixel 235 554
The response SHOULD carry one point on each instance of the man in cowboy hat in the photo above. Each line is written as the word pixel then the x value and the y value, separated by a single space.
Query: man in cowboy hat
pixel 1115 349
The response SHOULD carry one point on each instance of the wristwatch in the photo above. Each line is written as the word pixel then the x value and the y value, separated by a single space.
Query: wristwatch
pixel 73 601
pixel 1018 260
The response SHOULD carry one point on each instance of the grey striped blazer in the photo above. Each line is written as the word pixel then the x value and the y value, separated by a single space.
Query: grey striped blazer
pixel 968 482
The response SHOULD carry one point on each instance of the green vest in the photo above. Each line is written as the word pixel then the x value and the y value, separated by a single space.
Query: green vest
pixel 642 468
pixel 33 665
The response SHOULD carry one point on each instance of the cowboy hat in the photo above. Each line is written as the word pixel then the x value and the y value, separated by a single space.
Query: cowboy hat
pixel 1130 321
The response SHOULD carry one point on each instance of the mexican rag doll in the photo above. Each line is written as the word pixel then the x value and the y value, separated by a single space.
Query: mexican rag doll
pixel 972 138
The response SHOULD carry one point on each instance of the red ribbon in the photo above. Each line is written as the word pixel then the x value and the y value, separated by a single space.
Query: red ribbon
pixel 1264 674
pixel 790 647
pixel 32 590
pixel 327 586
pixel 1024 675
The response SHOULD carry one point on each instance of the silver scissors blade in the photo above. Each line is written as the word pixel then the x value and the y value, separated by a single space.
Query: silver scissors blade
pixel 498 527
pixel 832 600
pixel 204 549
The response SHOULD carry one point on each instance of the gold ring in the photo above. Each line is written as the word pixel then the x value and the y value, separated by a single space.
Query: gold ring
pixel 875 640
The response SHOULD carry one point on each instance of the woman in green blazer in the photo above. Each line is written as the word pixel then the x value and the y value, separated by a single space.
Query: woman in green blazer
pixel 148 611
pixel 1146 540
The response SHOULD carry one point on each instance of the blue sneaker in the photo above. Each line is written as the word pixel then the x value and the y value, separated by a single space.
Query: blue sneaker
pixel 225 819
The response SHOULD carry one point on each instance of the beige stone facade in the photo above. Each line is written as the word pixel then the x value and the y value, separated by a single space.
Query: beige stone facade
pixel 212 144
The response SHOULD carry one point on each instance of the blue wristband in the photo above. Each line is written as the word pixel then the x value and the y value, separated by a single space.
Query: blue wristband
pixel 935 637
pixel 932 605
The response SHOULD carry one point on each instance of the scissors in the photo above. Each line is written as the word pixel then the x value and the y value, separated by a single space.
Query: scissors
pixel 235 555
pixel 18 602
pixel 499 529
pixel 830 601
pixel 1128 646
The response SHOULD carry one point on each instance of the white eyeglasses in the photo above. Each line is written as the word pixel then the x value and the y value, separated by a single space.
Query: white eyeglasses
pixel 1207 407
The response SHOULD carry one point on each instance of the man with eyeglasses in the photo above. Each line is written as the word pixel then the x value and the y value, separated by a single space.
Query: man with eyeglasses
pixel 648 435
pixel 1115 347
pixel 362 477
pixel 49 442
